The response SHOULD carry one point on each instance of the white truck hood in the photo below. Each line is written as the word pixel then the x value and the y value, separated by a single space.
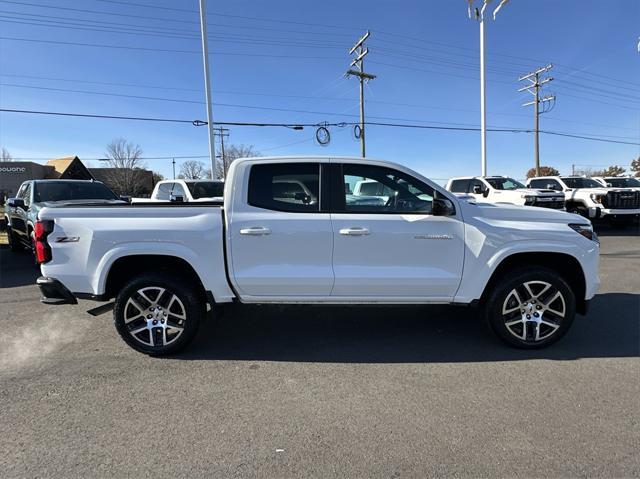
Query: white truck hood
pixel 507 212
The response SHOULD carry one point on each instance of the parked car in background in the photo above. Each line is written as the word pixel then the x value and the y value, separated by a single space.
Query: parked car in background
pixel 502 189
pixel 186 191
pixel 529 270
pixel 20 213
pixel 618 181
pixel 591 199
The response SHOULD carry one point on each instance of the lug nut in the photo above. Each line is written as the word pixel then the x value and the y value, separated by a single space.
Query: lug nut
pixel 528 316
pixel 148 316
pixel 536 314
pixel 538 307
pixel 155 321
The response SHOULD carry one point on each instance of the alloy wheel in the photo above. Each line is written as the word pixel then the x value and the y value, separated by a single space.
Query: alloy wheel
pixel 534 311
pixel 155 316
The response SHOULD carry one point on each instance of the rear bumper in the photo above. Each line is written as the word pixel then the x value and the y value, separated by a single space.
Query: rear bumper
pixel 54 292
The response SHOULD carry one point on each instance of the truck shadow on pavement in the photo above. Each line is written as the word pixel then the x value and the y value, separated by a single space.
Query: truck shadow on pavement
pixel 603 228
pixel 402 334
pixel 16 269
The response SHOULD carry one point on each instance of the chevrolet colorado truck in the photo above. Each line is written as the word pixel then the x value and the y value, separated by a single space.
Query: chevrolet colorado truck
pixel 591 199
pixel 527 270
pixel 20 213
pixel 502 189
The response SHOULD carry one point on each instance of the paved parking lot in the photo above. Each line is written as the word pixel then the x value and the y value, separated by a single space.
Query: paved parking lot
pixel 322 391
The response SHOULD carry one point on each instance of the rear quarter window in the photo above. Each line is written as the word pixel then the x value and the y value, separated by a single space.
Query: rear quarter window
pixel 459 186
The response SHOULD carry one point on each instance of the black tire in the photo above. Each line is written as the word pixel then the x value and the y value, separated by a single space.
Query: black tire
pixel 534 324
pixel 14 243
pixel 190 301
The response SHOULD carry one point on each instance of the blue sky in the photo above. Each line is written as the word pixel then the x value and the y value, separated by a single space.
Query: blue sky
pixel 291 55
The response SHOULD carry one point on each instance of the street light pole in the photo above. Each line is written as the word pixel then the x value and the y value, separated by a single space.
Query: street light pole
pixel 479 16
pixel 483 100
pixel 207 86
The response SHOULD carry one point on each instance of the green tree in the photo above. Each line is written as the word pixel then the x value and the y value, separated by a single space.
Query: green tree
pixel 544 171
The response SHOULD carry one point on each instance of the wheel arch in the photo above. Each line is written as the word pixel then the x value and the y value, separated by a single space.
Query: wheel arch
pixel 126 267
pixel 564 264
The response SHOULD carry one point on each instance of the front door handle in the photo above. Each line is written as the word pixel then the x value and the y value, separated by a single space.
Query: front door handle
pixel 355 231
pixel 255 231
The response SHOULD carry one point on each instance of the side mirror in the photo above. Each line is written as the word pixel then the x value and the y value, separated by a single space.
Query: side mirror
pixel 15 203
pixel 176 198
pixel 477 189
pixel 305 198
pixel 125 198
pixel 442 207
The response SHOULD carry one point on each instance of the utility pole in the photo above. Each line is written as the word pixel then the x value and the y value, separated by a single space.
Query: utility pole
pixel 222 133
pixel 361 52
pixel 533 87
pixel 479 16
pixel 173 163
pixel 207 85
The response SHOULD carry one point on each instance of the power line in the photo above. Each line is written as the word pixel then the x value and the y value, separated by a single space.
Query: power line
pixel 298 126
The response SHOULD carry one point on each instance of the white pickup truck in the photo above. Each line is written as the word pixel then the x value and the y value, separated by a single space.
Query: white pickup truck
pixel 528 270
pixel 185 191
pixel 502 189
pixel 591 199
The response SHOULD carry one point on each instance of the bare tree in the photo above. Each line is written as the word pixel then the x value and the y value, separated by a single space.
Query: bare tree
pixel 125 167
pixel 194 170
pixel 613 170
pixel 635 166
pixel 232 153
pixel 5 155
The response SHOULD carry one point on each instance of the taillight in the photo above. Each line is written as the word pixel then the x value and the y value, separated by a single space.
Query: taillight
pixel 41 230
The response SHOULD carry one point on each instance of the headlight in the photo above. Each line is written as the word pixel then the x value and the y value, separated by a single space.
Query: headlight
pixel 597 198
pixel 528 199
pixel 585 230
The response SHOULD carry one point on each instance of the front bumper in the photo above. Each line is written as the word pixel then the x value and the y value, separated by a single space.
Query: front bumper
pixel 596 212
pixel 54 292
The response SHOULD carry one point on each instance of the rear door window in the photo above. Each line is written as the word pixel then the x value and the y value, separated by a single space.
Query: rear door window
pixel 293 187
pixel 460 186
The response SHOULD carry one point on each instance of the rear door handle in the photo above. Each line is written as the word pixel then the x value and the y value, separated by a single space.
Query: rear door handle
pixel 355 231
pixel 255 231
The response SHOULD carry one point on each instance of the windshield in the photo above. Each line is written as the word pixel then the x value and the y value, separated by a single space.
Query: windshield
pixel 205 189
pixel 504 183
pixel 622 182
pixel 72 190
pixel 581 183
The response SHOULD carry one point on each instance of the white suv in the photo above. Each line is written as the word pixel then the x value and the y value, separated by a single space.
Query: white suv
pixel 590 199
pixel 501 189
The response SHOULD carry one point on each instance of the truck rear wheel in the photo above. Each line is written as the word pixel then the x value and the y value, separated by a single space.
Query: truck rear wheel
pixel 157 314
pixel 530 308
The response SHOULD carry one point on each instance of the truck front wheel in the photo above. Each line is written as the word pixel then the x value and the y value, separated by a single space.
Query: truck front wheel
pixel 157 314
pixel 530 308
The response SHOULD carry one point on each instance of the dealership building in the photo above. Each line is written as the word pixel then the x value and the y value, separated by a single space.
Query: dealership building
pixel 14 173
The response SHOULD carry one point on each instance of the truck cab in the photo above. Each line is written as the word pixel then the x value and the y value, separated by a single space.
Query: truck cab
pixel 187 191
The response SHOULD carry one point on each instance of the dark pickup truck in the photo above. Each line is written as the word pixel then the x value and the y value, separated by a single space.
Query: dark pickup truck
pixel 21 212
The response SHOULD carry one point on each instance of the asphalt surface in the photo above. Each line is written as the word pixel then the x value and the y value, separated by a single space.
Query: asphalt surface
pixel 322 391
